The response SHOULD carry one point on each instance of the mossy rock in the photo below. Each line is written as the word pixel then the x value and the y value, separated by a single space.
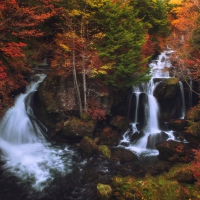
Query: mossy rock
pixel 78 128
pixel 104 150
pixel 108 136
pixel 185 176
pixel 88 145
pixel 123 155
pixel 174 151
pixel 120 123
pixel 104 191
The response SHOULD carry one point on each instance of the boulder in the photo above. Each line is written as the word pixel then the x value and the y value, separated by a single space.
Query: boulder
pixel 88 145
pixel 185 176
pixel 78 128
pixel 174 151
pixel 109 137
pixel 123 155
pixel 120 123
pixel 104 150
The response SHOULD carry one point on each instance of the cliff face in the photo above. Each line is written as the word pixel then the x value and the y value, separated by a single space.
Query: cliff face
pixel 57 105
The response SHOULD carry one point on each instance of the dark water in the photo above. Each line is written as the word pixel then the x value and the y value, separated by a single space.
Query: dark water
pixel 81 182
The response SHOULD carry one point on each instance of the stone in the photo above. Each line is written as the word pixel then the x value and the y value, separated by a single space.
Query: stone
pixel 120 123
pixel 77 128
pixel 104 191
pixel 104 150
pixel 109 137
pixel 174 151
pixel 123 155
pixel 88 145
pixel 185 176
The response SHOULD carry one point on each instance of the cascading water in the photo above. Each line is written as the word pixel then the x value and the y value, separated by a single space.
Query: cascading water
pixel 145 132
pixel 183 100
pixel 24 149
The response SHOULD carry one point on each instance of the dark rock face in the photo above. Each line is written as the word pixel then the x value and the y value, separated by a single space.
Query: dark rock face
pixel 174 151
pixel 168 96
pixel 123 155
pixel 56 102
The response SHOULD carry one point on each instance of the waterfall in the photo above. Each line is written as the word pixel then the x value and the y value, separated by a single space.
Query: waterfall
pixel 182 100
pixel 190 94
pixel 144 139
pixel 23 148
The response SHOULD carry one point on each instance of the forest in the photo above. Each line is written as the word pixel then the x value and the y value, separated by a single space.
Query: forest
pixel 107 44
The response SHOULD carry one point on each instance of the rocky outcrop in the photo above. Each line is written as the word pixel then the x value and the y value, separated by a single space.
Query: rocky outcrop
pixel 168 95
pixel 56 103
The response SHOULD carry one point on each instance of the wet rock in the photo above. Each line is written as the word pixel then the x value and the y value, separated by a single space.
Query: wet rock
pixel 135 136
pixel 120 123
pixel 174 151
pixel 109 137
pixel 192 134
pixel 168 95
pixel 104 150
pixel 88 145
pixel 104 191
pixel 178 136
pixel 77 128
pixel 123 155
pixel 177 124
pixel 185 176
pixel 155 138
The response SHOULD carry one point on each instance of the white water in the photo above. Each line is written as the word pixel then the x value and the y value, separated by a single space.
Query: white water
pixel 24 149
pixel 183 111
pixel 152 131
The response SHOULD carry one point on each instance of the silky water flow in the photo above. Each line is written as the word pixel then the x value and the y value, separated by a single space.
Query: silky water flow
pixel 23 148
pixel 143 140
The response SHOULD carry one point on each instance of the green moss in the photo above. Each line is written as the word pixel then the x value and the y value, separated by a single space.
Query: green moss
pixel 104 191
pixel 104 150
pixel 163 187
pixel 172 81
pixel 88 145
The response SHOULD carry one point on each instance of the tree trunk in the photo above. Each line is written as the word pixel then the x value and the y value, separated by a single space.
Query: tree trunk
pixel 76 86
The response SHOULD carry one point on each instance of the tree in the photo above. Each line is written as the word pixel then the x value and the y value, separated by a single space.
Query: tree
pixel 120 46
pixel 184 40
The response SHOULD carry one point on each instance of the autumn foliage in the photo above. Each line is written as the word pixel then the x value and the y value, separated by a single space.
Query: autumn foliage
pixel 195 167
pixel 95 110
